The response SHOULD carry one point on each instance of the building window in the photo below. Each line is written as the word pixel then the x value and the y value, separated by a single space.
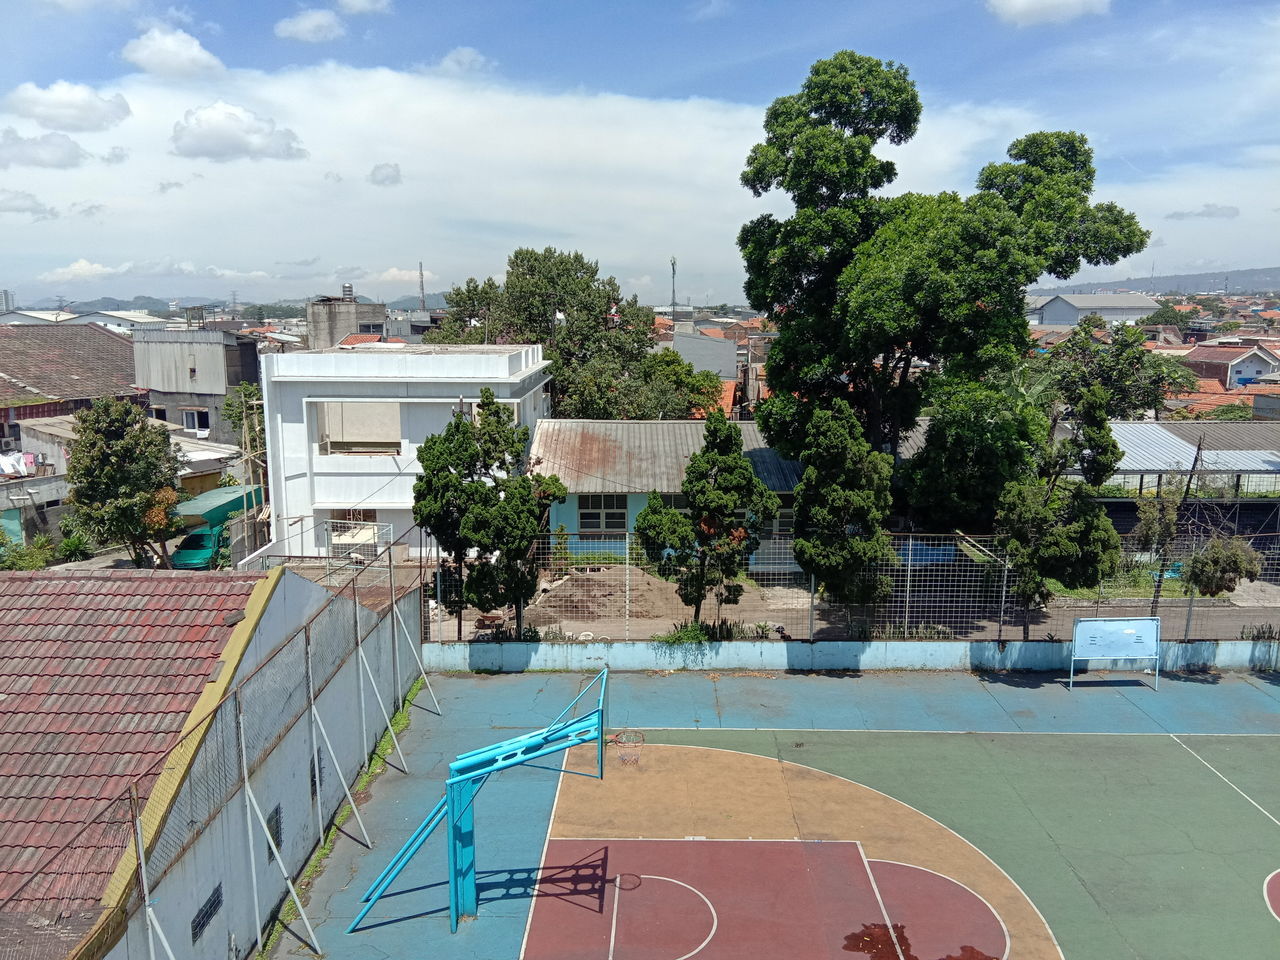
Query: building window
pixel 602 513
pixel 204 916
pixel 359 428
pixel 275 827
pixel 195 419
pixel 159 413
pixel 370 328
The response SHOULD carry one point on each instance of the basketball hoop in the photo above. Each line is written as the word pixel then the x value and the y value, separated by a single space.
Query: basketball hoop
pixel 629 743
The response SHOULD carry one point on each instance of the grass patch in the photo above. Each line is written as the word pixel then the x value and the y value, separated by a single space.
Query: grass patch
pixel 1136 585
pixel 288 913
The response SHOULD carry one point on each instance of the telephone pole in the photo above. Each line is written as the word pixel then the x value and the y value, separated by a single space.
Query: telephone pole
pixel 673 293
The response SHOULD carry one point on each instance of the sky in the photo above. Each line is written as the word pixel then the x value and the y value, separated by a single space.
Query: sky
pixel 279 149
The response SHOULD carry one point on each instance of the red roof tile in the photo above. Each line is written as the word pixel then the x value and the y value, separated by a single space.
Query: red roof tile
pixel 99 671
pixel 355 339
pixel 54 361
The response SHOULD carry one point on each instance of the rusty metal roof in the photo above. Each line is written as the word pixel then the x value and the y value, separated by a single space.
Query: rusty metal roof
pixel 637 456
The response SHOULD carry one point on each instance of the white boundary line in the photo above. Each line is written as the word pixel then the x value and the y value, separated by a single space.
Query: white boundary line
pixel 1267 900
pixel 1225 780
pixel 701 839
pixel 1003 733
pixel 1008 942
pixel 875 888
pixel 613 926
pixel 542 858
pixel 836 776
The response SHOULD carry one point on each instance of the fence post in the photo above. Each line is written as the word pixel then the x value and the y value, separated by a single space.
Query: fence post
pixel 396 701
pixel 813 588
pixel 626 610
pixel 906 608
pixel 136 810
pixel 1004 592
pixel 248 823
pixel 355 629
pixel 311 727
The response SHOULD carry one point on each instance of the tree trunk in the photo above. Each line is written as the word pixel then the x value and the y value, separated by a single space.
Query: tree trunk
pixel 1159 586
pixel 1026 622
pixel 519 619
pixel 702 587
pixel 166 562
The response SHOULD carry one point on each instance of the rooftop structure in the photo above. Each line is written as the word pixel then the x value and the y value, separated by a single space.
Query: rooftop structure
pixel 48 369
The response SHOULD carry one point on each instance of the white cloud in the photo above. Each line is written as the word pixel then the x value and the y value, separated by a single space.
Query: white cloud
pixel 332 176
pixel 115 155
pixel 67 106
pixel 398 275
pixel 223 131
pixel 461 61
pixel 17 201
pixel 86 271
pixel 78 6
pixel 312 26
pixel 364 6
pixel 1210 211
pixel 49 150
pixel 1023 13
pixel 709 9
pixel 170 52
pixel 167 185
pixel 385 174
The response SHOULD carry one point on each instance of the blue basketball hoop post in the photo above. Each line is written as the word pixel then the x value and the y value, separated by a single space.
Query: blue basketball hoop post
pixel 467 774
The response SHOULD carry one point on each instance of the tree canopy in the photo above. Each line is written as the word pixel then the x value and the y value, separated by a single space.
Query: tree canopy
pixel 123 474
pixel 868 289
pixel 477 500
pixel 706 548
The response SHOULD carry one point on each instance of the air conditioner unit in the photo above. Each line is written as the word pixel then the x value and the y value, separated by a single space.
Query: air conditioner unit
pixel 8 444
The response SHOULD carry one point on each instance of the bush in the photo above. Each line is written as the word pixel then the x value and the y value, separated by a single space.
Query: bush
pixel 73 548
pixel 686 632
pixel 508 635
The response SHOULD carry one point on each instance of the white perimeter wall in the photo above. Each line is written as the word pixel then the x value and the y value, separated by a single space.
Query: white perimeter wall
pixel 220 852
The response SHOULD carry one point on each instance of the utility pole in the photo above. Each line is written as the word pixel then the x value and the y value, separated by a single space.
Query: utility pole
pixel 422 288
pixel 673 293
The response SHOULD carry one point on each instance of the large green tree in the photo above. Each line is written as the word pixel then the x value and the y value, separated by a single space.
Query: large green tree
pixel 841 503
pixel 593 336
pixel 123 474
pixel 706 548
pixel 477 499
pixel 866 288
pixel 664 386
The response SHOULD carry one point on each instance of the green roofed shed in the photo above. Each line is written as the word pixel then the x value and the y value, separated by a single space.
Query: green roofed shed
pixel 215 506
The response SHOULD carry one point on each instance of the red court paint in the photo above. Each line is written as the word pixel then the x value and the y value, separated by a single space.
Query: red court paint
pixel 753 900
pixel 1271 892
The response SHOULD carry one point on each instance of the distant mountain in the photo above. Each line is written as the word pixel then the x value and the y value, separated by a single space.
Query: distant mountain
pixel 435 301
pixel 1259 280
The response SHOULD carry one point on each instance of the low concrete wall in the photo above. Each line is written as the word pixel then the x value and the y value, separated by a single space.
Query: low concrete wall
pixel 832 655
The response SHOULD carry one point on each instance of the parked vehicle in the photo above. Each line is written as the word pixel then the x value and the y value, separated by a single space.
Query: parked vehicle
pixel 197 550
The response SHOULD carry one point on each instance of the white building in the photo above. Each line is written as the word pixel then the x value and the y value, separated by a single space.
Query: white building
pixel 1069 309
pixel 343 427
pixel 122 321
pixel 7 301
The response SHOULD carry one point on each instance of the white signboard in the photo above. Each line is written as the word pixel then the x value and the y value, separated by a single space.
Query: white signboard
pixel 1116 638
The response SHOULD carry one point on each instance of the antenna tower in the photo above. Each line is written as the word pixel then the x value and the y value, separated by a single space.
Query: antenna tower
pixel 673 293
pixel 422 288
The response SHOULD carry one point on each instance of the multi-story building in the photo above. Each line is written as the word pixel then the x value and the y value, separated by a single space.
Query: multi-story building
pixel 332 319
pixel 190 372
pixel 343 426
pixel 8 301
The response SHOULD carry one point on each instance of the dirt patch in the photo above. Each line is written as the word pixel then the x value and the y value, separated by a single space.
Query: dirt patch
pixel 602 595
pixel 1256 594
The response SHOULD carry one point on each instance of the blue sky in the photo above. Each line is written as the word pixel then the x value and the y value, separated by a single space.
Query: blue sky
pixel 280 148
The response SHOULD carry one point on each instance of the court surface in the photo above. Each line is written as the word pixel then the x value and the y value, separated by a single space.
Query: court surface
pixel 939 817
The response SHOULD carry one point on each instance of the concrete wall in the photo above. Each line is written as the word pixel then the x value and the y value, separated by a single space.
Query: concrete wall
pixel 1058 312
pixel 329 321
pixel 831 655
pixel 220 852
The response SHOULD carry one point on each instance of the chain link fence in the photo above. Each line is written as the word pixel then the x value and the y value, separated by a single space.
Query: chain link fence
pixel 943 587
pixel 344 671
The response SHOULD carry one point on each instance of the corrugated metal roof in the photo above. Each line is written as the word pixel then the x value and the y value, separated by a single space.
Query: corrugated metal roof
pixel 637 456
pixel 1109 300
pixel 1170 447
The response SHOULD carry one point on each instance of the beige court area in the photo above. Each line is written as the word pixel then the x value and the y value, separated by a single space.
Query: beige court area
pixel 676 792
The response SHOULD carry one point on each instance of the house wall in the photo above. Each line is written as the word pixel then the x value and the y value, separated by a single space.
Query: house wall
pixel 1058 312
pixel 307 485
pixel 1250 367
pixel 219 853
pixel 328 322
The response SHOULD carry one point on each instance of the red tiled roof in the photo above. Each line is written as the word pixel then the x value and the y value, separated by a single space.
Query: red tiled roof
pixel 355 339
pixel 99 671
pixel 1209 385
pixel 728 394
pixel 63 362
pixel 1186 308
pixel 1205 402
pixel 1218 354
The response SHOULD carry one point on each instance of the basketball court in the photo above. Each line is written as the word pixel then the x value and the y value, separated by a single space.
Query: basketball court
pixel 936 844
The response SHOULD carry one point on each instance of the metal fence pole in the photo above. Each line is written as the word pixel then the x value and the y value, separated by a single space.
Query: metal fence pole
pixel 311 728
pixel 396 700
pixel 813 589
pixel 248 824
pixel 136 810
pixel 906 609
pixel 355 628
pixel 626 612
pixel 1004 592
